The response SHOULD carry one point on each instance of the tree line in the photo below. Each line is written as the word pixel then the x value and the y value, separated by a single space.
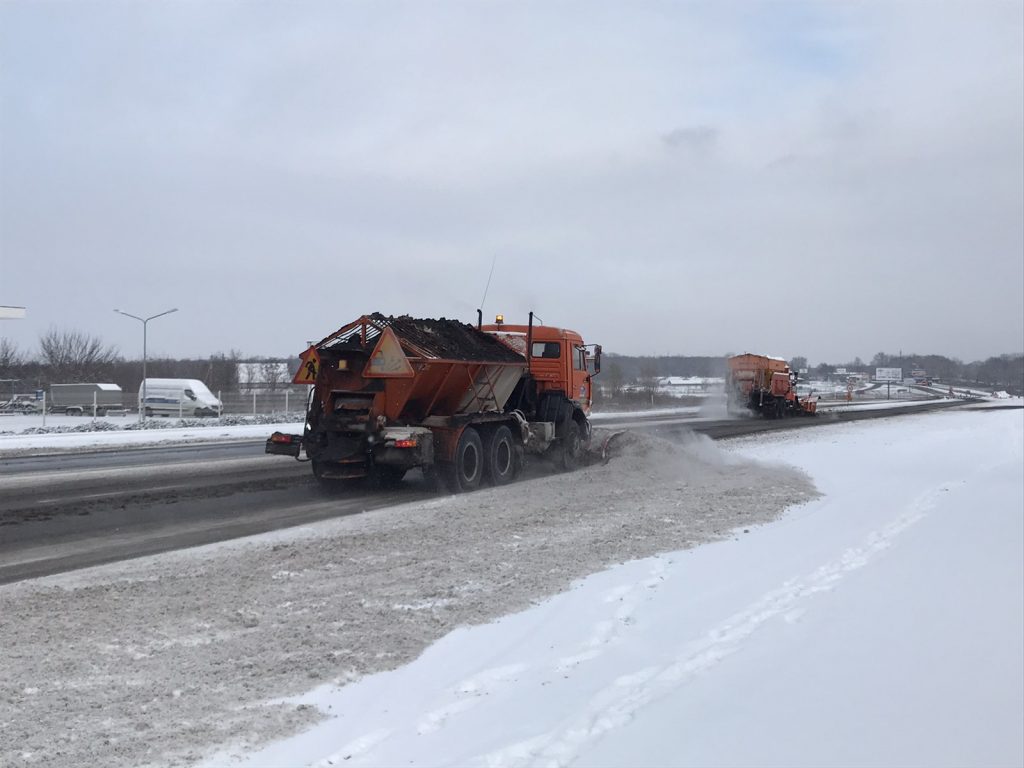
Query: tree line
pixel 69 356
pixel 1005 372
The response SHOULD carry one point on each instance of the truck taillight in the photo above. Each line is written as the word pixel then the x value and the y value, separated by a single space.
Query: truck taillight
pixel 406 442
pixel 278 437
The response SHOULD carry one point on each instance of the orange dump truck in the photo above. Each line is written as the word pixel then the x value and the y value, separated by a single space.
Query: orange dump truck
pixel 767 386
pixel 462 402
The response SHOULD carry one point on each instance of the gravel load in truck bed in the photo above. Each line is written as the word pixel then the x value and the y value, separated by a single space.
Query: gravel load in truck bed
pixel 438 338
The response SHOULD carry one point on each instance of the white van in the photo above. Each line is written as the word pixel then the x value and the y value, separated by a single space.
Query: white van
pixel 171 397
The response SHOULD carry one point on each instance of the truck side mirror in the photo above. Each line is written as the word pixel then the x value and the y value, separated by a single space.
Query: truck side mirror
pixel 597 359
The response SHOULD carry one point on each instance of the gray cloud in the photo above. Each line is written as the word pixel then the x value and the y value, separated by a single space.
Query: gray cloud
pixel 276 169
pixel 699 138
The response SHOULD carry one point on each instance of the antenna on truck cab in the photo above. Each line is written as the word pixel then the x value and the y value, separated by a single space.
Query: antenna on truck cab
pixel 480 310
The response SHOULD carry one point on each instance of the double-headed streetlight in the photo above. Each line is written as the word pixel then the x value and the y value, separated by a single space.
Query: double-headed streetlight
pixel 144 321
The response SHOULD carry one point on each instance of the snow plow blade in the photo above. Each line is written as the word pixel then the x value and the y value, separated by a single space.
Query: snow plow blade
pixel 601 451
pixel 281 444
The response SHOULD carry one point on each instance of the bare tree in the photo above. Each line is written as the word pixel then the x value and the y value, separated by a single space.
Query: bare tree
pixel 75 356
pixel 648 376
pixel 273 375
pixel 222 371
pixel 10 356
pixel 614 379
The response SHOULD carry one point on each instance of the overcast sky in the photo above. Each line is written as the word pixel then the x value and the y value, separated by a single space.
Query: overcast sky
pixel 821 179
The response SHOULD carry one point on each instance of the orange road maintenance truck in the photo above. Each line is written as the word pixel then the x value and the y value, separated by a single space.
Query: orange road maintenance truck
pixel 766 386
pixel 464 403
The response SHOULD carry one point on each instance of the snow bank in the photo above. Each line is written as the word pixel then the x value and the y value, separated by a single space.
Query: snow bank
pixel 880 625
pixel 77 436
pixel 165 658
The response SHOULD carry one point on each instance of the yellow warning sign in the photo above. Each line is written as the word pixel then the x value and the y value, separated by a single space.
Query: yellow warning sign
pixel 388 360
pixel 309 367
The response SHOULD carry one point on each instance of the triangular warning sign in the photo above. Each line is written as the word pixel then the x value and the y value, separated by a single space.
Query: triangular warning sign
pixel 309 367
pixel 388 360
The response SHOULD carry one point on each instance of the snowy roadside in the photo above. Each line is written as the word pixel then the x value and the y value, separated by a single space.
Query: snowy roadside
pixel 18 438
pixel 181 652
pixel 164 432
pixel 880 625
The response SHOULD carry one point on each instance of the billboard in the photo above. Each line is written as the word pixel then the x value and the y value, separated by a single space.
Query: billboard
pixel 888 374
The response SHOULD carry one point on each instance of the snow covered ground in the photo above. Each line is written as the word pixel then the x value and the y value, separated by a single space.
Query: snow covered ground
pixel 880 624
pixel 115 435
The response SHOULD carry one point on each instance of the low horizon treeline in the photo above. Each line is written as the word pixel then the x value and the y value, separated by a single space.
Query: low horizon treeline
pixel 999 372
pixel 68 356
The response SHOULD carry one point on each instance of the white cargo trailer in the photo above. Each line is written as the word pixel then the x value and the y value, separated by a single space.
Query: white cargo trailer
pixel 78 399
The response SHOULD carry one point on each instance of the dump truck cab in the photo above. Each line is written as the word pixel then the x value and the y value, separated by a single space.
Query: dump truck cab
pixel 559 361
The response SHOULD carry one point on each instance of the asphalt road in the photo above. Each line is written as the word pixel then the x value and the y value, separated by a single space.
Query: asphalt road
pixel 66 511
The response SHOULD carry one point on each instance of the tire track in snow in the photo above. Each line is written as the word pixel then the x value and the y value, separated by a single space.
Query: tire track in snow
pixel 615 706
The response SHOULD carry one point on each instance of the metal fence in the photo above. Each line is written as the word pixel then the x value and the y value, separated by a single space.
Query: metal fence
pixel 279 401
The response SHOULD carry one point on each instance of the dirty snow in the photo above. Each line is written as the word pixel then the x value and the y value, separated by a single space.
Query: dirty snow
pixel 165 659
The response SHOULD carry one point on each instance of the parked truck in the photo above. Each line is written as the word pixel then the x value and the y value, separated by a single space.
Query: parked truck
pixel 78 399
pixel 464 403
pixel 766 386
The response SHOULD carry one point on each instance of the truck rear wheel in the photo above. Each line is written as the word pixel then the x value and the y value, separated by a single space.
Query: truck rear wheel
pixel 465 472
pixel 501 457
pixel 73 412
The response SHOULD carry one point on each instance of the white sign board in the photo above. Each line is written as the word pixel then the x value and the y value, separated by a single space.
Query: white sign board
pixel 840 371
pixel 888 374
pixel 12 313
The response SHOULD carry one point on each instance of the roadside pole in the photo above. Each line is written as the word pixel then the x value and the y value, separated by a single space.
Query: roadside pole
pixel 44 407
pixel 94 408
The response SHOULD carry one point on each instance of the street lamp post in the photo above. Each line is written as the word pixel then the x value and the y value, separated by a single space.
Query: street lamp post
pixel 145 322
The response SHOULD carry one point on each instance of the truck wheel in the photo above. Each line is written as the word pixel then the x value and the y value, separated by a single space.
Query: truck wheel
pixel 465 472
pixel 73 412
pixel 149 411
pixel 501 457
pixel 571 447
